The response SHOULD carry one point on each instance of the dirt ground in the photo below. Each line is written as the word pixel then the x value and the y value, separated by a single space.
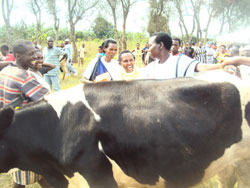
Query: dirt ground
pixel 123 181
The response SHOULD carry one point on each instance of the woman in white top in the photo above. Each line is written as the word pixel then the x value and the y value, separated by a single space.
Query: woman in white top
pixel 107 69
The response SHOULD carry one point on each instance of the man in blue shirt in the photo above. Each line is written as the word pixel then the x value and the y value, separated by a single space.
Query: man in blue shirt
pixel 51 55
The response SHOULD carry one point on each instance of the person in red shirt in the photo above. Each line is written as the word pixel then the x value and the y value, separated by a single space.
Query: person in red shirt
pixel 6 56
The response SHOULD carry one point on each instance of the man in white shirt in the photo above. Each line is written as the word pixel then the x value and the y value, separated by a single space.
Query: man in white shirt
pixel 108 69
pixel 168 66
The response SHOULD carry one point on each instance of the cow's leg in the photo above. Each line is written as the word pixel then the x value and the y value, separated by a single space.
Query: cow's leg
pixel 56 179
pixel 99 174
pixel 227 178
pixel 44 183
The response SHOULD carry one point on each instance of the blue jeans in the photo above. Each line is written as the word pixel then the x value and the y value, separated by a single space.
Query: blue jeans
pixel 71 69
pixel 53 80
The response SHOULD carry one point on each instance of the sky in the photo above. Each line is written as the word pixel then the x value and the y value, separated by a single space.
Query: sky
pixel 137 19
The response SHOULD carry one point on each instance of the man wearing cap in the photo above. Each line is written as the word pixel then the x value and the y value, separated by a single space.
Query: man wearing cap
pixel 69 51
pixel 51 55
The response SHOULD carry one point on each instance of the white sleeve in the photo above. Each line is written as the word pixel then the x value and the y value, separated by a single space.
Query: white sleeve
pixel 87 73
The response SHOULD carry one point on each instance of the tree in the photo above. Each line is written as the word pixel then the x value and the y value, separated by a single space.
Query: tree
pixel 76 10
pixel 158 16
pixel 126 5
pixel 35 6
pixel 7 6
pixel 102 28
pixel 211 7
pixel 182 11
pixel 53 10
pixel 113 4
pixel 196 5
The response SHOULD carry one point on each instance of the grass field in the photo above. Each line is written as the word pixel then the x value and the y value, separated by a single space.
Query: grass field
pixel 77 182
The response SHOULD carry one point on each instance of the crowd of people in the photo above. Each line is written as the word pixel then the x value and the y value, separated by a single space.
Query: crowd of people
pixel 28 74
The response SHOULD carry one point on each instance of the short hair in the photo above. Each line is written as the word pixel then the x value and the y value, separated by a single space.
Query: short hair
pixel 224 46
pixel 164 38
pixel 177 39
pixel 125 52
pixel 107 42
pixel 50 38
pixel 4 47
pixel 21 46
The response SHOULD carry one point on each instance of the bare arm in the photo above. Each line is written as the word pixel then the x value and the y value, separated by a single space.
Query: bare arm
pixel 229 61
pixel 49 66
pixel 64 57
pixel 85 80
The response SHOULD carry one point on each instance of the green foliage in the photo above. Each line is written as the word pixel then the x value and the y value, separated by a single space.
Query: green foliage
pixel 102 28
pixel 85 35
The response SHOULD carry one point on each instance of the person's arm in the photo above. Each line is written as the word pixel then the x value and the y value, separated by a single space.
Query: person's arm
pixel 33 89
pixel 65 56
pixel 236 61
pixel 86 81
pixel 49 66
pixel 193 55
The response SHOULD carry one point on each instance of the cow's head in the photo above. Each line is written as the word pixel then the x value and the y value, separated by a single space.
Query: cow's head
pixel 6 156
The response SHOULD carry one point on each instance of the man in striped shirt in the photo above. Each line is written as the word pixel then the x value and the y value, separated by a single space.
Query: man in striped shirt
pixel 200 53
pixel 18 87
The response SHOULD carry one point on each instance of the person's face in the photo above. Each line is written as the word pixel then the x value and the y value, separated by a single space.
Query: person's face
pixel 214 46
pixel 50 43
pixel 100 50
pixel 154 48
pixel 200 44
pixel 127 62
pixel 137 46
pixel 111 50
pixel 222 49
pixel 4 52
pixel 26 59
pixel 38 63
pixel 62 45
pixel 175 47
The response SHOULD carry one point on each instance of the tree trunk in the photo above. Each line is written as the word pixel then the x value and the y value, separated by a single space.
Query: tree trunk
pixel 6 10
pixel 124 37
pixel 222 23
pixel 56 40
pixel 117 35
pixel 208 24
pixel 73 40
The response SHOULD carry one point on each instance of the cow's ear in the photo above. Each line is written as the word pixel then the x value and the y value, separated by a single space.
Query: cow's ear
pixel 6 118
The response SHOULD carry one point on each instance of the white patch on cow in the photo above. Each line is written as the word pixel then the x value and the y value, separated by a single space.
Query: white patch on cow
pixel 73 95
pixel 216 76
pixel 100 147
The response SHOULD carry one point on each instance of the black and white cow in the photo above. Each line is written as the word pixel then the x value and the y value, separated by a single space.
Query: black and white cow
pixel 182 130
